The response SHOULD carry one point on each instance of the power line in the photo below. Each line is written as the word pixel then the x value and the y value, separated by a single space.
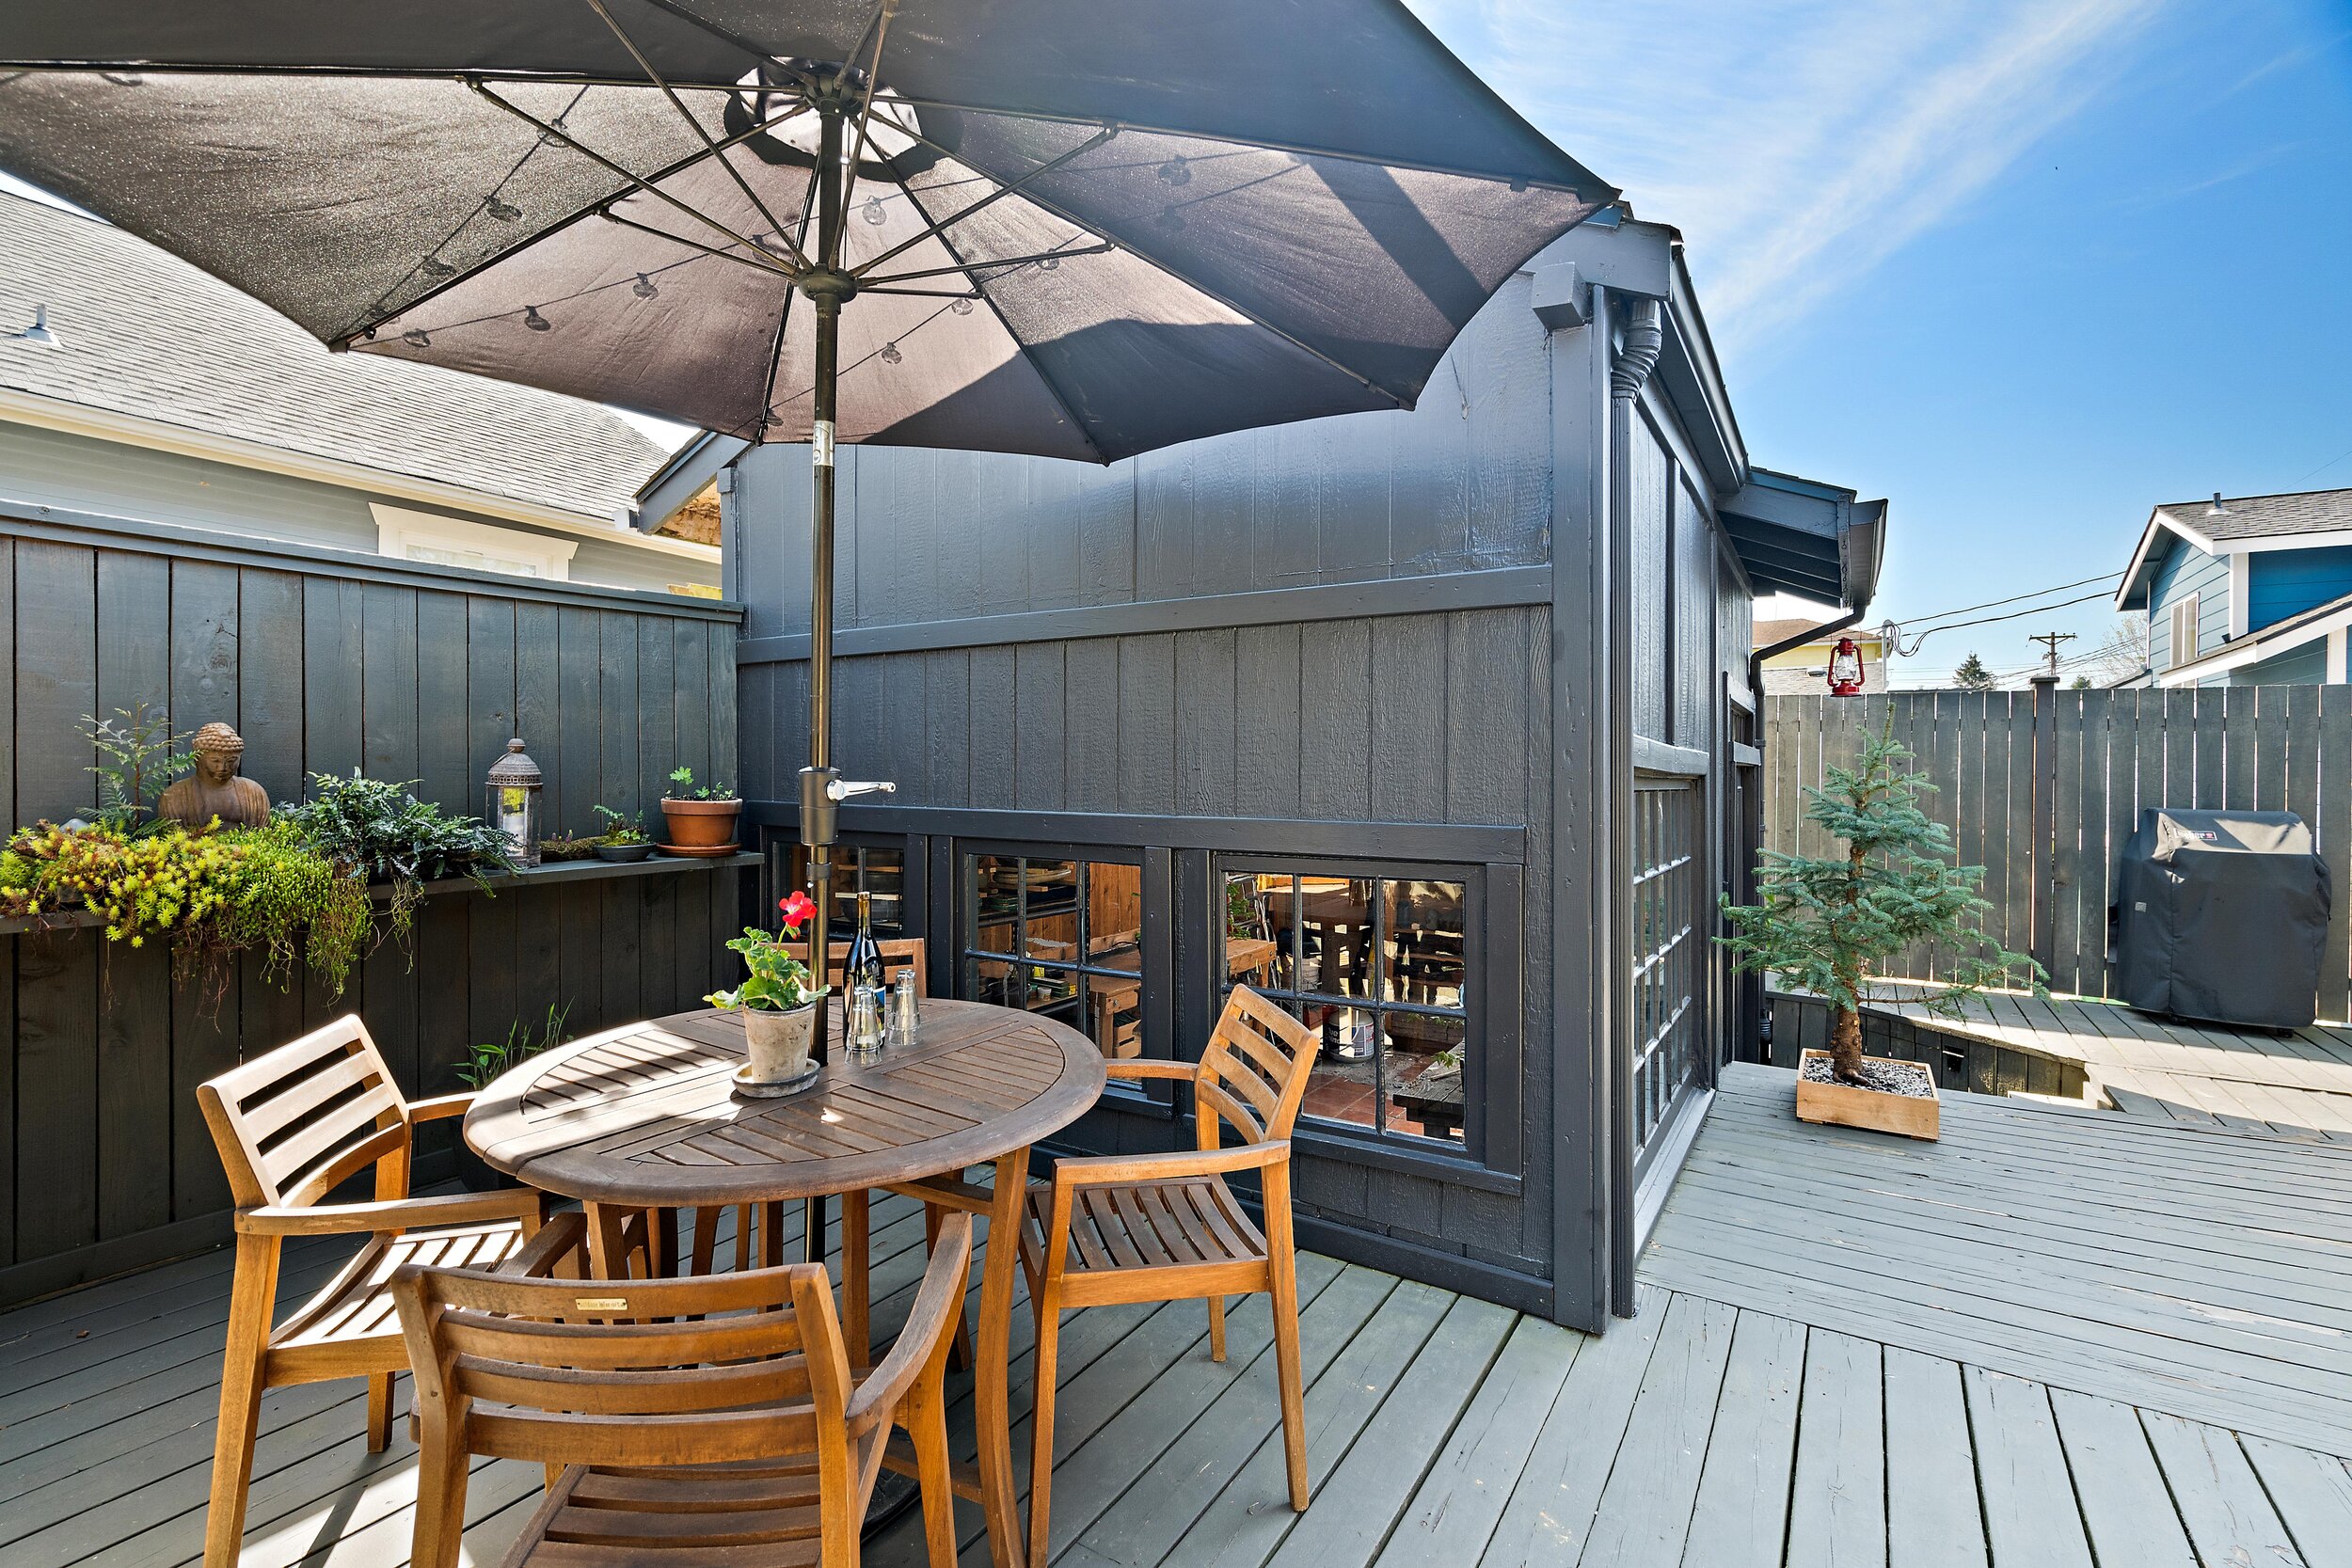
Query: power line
pixel 1994 604
pixel 1989 620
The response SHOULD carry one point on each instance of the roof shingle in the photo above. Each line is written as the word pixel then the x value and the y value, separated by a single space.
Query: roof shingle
pixel 144 333
pixel 2256 517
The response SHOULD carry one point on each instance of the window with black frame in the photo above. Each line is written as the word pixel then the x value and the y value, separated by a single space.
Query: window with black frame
pixel 1380 964
pixel 1057 936
pixel 874 868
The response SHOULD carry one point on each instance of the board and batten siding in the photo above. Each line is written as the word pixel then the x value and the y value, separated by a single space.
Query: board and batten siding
pixel 83 473
pixel 407 672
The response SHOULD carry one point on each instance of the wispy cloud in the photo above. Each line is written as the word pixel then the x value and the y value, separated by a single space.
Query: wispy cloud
pixel 1796 143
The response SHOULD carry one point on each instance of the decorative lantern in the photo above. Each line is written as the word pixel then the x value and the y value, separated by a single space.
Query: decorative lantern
pixel 515 803
pixel 1844 670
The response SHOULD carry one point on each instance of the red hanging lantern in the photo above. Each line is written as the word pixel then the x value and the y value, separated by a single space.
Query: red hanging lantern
pixel 1844 670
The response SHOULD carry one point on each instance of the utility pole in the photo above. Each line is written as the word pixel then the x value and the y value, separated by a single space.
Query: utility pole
pixel 2050 639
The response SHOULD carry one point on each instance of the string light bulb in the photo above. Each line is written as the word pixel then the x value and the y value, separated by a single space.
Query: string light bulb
pixel 876 213
pixel 1171 219
pixel 416 337
pixel 437 269
pixel 644 288
pixel 1175 172
pixel 535 321
pixel 1051 263
pixel 890 355
pixel 961 307
pixel 505 212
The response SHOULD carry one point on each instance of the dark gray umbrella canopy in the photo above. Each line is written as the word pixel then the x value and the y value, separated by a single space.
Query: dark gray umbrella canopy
pixel 1222 214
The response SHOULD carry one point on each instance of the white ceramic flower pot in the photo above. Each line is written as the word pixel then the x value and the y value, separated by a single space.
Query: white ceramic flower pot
pixel 779 1043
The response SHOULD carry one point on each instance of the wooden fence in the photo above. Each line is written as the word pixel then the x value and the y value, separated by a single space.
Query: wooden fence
pixel 324 663
pixel 2094 759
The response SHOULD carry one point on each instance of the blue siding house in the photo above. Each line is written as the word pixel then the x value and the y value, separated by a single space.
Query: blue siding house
pixel 2247 591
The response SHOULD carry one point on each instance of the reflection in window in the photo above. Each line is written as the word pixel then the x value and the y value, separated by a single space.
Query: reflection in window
pixel 879 871
pixel 1059 937
pixel 1380 966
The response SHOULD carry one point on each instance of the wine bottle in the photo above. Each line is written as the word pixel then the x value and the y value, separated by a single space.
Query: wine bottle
pixel 864 966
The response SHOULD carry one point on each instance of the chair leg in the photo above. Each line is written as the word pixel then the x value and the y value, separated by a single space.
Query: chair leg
pixel 856 1288
pixel 959 1348
pixel 1289 1372
pixel 1041 1434
pixel 250 1297
pixel 1217 1328
pixel 379 1412
pixel 927 1423
pixel 441 1473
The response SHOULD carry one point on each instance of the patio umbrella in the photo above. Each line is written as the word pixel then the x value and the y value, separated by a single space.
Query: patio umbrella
pixel 1064 228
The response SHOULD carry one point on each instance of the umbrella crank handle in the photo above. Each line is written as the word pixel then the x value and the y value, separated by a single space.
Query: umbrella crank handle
pixel 822 790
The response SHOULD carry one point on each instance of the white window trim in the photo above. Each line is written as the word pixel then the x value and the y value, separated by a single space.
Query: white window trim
pixel 2241 591
pixel 397 529
pixel 2184 613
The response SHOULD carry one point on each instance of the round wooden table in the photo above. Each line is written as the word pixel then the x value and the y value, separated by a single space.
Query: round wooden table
pixel 644 1117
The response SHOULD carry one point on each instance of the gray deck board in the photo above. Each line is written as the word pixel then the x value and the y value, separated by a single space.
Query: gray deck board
pixel 2182 1268
pixel 2058 1337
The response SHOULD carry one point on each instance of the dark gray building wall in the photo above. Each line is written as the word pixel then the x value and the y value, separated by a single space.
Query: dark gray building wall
pixel 82 473
pixel 1265 643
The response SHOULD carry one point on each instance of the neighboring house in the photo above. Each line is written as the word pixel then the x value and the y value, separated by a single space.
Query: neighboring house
pixel 168 397
pixel 2245 591
pixel 1338 708
pixel 1803 670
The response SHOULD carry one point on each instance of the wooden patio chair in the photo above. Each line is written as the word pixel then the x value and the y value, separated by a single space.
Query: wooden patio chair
pixel 699 1423
pixel 292 1127
pixel 1130 1228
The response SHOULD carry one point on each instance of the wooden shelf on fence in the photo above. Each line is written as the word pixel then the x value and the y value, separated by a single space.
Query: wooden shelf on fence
pixel 537 876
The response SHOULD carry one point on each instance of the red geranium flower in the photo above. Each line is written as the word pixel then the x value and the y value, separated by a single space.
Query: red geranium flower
pixel 796 907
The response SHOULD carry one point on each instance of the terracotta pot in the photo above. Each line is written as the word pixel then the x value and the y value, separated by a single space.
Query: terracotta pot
pixel 779 1043
pixel 701 822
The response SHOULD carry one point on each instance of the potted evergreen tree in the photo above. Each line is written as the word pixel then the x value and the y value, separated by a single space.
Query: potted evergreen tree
pixel 1829 922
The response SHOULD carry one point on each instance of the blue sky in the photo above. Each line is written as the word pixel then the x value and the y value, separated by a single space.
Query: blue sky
pixel 2024 267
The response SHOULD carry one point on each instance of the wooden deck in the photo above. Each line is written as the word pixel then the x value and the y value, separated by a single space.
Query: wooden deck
pixel 2299 1084
pixel 1850 1350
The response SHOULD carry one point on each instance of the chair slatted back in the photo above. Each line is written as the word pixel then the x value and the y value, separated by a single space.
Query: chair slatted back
pixel 1254 1071
pixel 897 954
pixel 295 1124
pixel 633 1372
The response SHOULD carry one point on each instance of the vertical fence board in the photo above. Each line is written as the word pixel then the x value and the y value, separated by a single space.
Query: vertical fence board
pixel 2239 705
pixel 576 787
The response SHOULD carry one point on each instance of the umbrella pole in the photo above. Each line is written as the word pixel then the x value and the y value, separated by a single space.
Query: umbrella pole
pixel 818 803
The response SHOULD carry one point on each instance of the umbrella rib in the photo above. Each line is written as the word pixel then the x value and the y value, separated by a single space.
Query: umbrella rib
pixel 1045 379
pixel 765 269
pixel 680 105
pixel 637 180
pixel 998 194
pixel 1095 249
pixel 864 114
pixel 775 357
pixel 1149 260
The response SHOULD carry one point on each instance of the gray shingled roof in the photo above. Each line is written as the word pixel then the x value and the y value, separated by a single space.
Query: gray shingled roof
pixel 146 334
pixel 2254 516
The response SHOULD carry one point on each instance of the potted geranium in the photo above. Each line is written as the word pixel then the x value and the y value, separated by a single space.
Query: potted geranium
pixel 701 817
pixel 1828 923
pixel 778 1000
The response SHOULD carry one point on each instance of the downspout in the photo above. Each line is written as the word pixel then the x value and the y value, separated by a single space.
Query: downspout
pixel 1629 369
pixel 1811 634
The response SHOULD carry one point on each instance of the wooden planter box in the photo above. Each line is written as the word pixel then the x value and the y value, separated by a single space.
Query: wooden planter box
pixel 1874 1109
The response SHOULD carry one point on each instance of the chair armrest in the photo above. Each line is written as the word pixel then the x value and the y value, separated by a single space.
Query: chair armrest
pixel 440 1105
pixel 1137 1067
pixel 929 1327
pixel 1103 1169
pixel 536 1258
pixel 402 1213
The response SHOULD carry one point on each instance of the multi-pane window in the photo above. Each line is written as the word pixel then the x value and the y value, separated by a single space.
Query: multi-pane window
pixel 1668 948
pixel 1060 937
pixel 858 867
pixel 1380 966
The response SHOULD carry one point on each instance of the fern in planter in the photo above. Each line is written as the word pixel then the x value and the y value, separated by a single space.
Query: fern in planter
pixel 1830 923
pixel 381 831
